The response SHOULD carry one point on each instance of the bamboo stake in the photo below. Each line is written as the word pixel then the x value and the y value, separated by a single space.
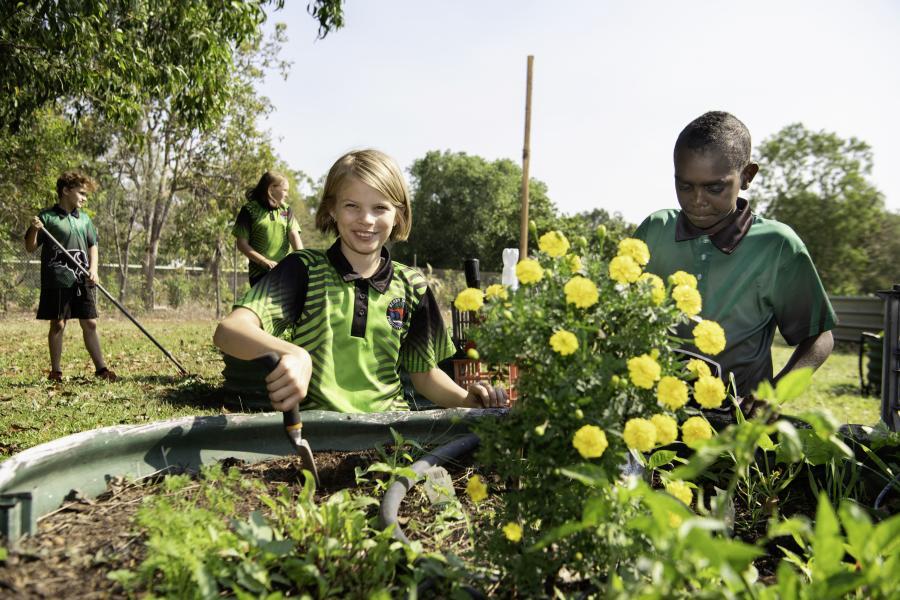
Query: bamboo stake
pixel 526 156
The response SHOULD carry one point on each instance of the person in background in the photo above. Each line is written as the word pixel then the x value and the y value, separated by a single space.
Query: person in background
pixel 266 229
pixel 65 291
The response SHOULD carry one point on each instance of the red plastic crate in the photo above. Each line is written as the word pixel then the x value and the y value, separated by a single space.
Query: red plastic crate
pixel 466 371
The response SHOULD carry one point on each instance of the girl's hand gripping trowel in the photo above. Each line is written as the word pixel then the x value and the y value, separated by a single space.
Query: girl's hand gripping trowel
pixel 292 424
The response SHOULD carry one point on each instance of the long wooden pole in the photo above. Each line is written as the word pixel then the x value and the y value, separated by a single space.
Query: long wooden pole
pixel 526 157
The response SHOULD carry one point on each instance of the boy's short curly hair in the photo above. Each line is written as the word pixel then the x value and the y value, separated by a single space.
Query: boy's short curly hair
pixel 377 170
pixel 717 131
pixel 75 178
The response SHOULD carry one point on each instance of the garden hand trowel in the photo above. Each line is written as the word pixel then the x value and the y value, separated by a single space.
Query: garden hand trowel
pixel 293 427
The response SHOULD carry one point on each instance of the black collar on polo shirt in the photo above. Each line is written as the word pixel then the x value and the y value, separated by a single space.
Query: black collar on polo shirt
pixel 380 280
pixel 58 208
pixel 727 238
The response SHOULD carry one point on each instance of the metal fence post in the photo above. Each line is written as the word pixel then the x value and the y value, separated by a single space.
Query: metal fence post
pixel 890 370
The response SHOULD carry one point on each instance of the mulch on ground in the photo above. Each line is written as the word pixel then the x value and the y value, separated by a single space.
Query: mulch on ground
pixel 78 544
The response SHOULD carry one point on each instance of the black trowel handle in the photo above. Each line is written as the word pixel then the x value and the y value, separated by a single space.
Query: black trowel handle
pixel 269 361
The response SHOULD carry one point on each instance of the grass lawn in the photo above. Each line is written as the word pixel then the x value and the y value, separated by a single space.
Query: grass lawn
pixel 151 389
pixel 835 387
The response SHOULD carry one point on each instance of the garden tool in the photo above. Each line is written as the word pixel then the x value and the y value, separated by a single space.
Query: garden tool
pixel 84 272
pixel 293 427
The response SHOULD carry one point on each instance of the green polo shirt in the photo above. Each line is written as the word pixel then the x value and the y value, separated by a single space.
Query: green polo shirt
pixel 753 276
pixel 76 233
pixel 357 331
pixel 266 229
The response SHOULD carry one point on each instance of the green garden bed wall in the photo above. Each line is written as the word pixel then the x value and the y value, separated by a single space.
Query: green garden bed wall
pixel 38 480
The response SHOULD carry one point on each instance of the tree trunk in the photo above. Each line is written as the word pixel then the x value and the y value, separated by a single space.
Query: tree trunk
pixel 150 273
pixel 217 258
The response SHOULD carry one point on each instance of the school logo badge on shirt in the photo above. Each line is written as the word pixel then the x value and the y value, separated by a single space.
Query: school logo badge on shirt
pixel 396 311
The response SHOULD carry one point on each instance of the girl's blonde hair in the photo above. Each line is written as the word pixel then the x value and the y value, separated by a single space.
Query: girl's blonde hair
pixel 378 171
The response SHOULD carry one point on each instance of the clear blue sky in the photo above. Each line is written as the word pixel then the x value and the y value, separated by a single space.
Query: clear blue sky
pixel 614 83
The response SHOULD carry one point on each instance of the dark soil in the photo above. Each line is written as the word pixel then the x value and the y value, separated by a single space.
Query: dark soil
pixel 77 545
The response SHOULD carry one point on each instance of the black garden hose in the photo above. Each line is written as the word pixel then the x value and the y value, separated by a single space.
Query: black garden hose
pixel 390 504
pixel 893 482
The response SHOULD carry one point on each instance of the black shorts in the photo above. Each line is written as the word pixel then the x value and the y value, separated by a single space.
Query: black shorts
pixel 78 302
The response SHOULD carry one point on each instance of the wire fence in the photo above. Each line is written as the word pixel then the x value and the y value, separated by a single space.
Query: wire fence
pixel 176 286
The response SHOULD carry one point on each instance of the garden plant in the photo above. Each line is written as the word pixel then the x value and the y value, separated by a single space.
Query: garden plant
pixel 611 478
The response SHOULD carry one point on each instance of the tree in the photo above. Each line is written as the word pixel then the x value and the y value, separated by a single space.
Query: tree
pixel 585 224
pixel 466 207
pixel 115 57
pixel 816 182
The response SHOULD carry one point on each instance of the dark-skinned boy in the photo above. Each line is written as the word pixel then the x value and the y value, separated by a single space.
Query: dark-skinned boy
pixel 754 274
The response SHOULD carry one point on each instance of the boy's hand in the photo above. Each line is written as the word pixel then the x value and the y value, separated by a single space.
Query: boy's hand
pixel 288 383
pixel 94 276
pixel 269 264
pixel 36 223
pixel 487 396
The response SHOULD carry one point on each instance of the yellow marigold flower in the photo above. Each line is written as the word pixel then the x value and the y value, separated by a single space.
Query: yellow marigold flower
pixel 476 488
pixel 640 434
pixel 644 371
pixel 657 287
pixel 581 292
pixel 666 429
pixel 683 278
pixel 554 243
pixel 496 291
pixel 469 299
pixel 687 299
pixel 574 262
pixel 564 342
pixel 590 441
pixel 709 391
pixel 698 367
pixel 636 249
pixel 513 532
pixel 624 269
pixel 529 271
pixel 680 490
pixel 672 392
pixel 709 337
pixel 695 430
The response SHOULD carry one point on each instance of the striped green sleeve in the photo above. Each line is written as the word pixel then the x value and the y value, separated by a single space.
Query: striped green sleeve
pixel 427 342
pixel 278 298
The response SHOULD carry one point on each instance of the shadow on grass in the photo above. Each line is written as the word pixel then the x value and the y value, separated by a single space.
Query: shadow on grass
pixel 195 391
pixel 845 389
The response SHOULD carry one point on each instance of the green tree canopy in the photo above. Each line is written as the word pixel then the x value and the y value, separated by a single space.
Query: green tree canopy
pixel 115 57
pixel 816 182
pixel 467 207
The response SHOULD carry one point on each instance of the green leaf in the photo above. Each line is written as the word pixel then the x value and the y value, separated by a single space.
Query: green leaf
pixel 817 451
pixel 790 446
pixel 827 543
pixel 589 475
pixel 660 458
pixel 793 526
pixel 793 384
pixel 765 391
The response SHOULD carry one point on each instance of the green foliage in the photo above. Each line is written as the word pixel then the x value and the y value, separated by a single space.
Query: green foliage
pixel 115 56
pixel 817 183
pixel 584 224
pixel 562 393
pixel 177 289
pixel 199 546
pixel 466 207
